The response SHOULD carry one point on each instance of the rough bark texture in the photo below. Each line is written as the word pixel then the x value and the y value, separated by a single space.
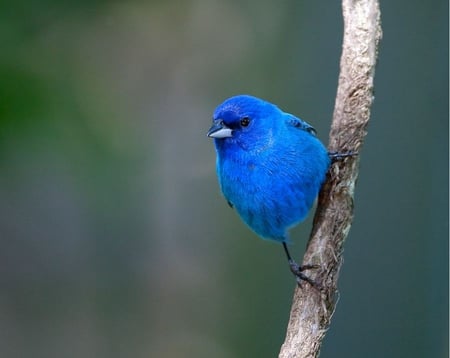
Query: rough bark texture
pixel 312 309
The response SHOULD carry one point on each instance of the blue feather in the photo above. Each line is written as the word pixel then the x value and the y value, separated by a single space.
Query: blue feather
pixel 270 164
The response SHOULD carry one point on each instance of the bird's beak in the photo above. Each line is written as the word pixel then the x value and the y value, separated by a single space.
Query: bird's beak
pixel 219 130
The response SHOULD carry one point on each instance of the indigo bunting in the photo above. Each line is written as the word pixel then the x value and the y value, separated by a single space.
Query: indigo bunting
pixel 270 167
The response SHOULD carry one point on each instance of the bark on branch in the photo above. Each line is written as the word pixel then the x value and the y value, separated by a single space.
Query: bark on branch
pixel 312 310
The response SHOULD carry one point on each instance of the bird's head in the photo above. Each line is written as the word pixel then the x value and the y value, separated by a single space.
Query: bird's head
pixel 245 121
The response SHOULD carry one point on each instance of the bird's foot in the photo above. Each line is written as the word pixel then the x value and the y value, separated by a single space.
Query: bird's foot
pixel 297 270
pixel 341 155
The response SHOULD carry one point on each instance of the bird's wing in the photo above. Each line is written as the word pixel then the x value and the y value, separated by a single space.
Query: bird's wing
pixel 298 123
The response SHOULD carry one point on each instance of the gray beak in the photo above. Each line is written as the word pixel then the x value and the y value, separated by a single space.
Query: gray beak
pixel 219 130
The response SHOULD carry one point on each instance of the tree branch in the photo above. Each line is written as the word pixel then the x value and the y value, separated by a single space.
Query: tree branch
pixel 312 310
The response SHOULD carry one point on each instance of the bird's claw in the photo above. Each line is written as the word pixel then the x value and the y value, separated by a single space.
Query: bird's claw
pixel 341 155
pixel 297 270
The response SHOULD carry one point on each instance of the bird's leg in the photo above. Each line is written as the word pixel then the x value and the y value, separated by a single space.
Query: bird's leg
pixel 341 155
pixel 297 270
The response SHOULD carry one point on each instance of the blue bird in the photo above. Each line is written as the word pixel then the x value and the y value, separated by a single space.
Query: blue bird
pixel 270 167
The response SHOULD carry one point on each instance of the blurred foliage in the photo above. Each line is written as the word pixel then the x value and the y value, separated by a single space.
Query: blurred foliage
pixel 115 240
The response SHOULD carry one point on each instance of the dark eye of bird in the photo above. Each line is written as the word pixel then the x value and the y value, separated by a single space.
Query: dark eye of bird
pixel 245 121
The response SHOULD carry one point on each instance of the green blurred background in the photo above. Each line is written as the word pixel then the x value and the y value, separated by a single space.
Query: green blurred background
pixel 115 240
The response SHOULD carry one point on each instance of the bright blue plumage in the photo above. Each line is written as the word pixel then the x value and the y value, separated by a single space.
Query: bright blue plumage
pixel 270 164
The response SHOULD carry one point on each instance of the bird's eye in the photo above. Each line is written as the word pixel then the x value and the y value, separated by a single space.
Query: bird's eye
pixel 245 121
